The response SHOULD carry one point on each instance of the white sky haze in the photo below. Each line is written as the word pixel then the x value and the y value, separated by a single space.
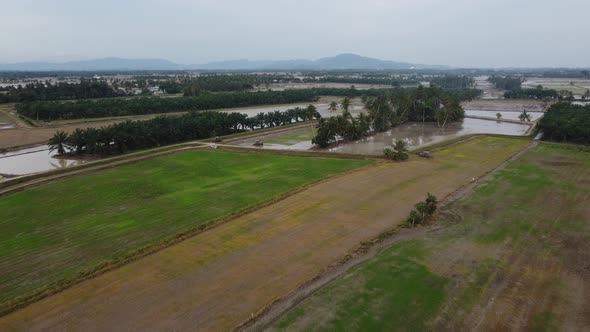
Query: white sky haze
pixel 461 33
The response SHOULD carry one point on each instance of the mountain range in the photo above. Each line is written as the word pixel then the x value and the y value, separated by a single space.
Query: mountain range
pixel 339 62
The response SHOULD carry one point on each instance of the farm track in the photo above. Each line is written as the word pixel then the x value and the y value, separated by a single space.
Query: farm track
pixel 220 278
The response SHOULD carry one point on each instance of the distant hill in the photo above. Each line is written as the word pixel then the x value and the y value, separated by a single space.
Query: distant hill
pixel 338 62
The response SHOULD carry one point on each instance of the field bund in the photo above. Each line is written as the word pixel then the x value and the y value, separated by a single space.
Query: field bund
pixel 220 278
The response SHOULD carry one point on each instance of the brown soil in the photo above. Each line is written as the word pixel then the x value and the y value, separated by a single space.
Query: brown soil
pixel 220 278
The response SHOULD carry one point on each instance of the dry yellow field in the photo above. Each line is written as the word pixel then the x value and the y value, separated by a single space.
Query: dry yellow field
pixel 218 279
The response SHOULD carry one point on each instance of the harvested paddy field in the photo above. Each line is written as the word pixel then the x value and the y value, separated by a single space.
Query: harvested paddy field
pixel 51 234
pixel 513 255
pixel 219 278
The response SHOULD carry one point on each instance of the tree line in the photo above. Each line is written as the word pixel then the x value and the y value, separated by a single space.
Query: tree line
pixel 44 91
pixel 566 122
pixel 453 82
pixel 49 111
pixel 386 111
pixel 534 93
pixel 163 130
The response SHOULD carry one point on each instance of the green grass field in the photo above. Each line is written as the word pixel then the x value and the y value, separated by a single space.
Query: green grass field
pixel 52 233
pixel 293 137
pixel 513 255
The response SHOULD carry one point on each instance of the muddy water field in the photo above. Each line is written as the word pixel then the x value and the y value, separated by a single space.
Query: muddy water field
pixel 415 134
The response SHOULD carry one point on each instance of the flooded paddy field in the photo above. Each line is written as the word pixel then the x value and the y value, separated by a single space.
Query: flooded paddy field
pixel 33 160
pixel 489 91
pixel 508 115
pixel 6 120
pixel 7 125
pixel 322 107
pixel 508 105
pixel 415 134
pixel 418 135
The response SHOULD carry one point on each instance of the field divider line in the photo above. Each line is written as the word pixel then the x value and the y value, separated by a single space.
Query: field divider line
pixel 139 253
pixel 362 253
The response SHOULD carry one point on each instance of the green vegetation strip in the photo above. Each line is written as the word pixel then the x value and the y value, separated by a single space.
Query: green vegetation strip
pixel 525 227
pixel 54 235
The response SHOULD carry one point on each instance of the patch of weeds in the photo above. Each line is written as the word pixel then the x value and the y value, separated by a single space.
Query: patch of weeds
pixel 545 321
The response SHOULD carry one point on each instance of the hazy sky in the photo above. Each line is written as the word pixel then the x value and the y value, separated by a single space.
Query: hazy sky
pixel 471 33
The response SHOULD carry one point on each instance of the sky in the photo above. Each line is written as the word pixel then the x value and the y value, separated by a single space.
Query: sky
pixel 460 33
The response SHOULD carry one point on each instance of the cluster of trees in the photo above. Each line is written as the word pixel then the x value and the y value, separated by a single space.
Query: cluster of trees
pixel 453 82
pixel 163 130
pixel 278 118
pixel 565 122
pixel 151 105
pixel 389 110
pixel 397 82
pixel 422 211
pixel 43 91
pixel 506 82
pixel 536 93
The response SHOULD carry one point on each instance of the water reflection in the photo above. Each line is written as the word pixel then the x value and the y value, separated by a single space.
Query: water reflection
pixel 32 160
pixel 323 109
pixel 505 114
pixel 6 125
pixel 418 134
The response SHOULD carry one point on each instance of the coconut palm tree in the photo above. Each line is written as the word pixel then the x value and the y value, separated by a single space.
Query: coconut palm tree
pixel 58 142
pixel 524 116
pixel 397 152
pixel 333 107
pixel 345 104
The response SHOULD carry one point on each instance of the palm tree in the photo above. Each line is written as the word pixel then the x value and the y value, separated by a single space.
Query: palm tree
pixel 333 107
pixel 77 140
pixel 345 104
pixel 524 116
pixel 499 116
pixel 310 112
pixel 401 150
pixel 397 152
pixel 58 142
